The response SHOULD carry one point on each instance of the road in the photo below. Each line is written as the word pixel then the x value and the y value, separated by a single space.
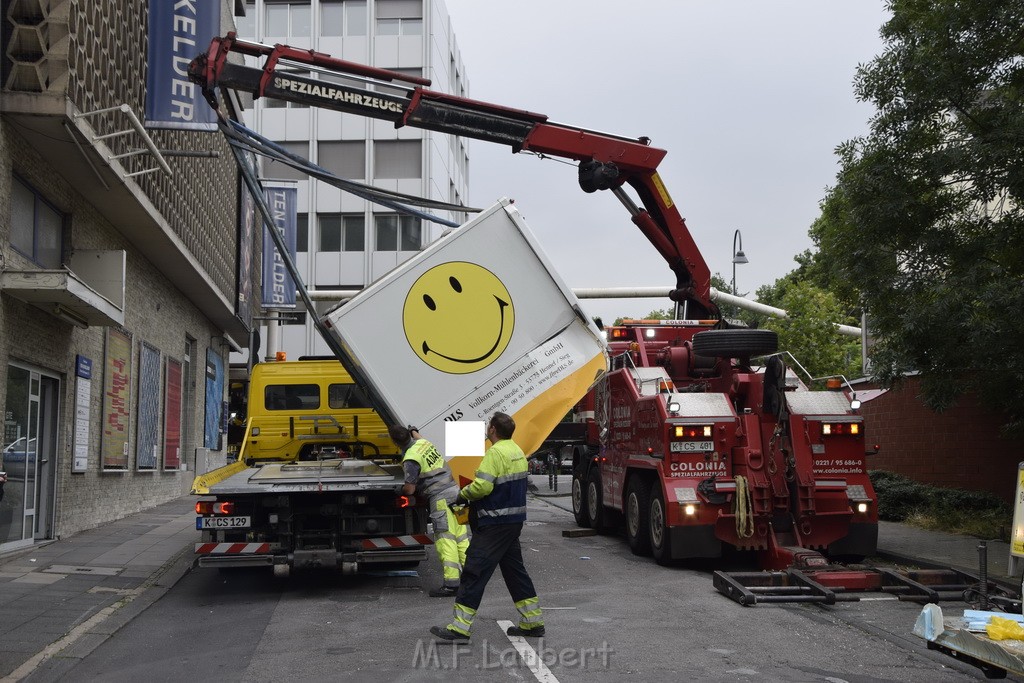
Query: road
pixel 610 616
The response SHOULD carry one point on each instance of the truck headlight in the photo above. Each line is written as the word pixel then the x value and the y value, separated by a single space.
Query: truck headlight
pixel 690 509
pixel 862 508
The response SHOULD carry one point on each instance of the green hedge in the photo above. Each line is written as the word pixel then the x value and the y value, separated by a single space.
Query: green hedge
pixel 900 497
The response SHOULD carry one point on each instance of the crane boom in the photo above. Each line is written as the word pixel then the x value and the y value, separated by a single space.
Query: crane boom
pixel 606 162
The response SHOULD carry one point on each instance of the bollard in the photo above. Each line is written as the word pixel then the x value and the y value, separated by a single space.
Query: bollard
pixel 983 574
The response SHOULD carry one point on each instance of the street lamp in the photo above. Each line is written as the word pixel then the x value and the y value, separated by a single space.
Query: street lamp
pixel 737 257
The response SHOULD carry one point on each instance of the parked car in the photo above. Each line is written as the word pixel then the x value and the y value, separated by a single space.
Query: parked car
pixel 14 455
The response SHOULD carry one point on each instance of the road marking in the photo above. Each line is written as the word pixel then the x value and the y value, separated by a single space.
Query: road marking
pixel 529 656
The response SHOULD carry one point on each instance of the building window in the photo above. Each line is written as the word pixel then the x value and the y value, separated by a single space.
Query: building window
pixel 276 170
pixel 403 88
pixel 291 19
pixel 245 26
pixel 399 18
pixel 302 232
pixel 397 158
pixel 398 233
pixel 37 228
pixel 342 232
pixel 343 18
pixel 345 158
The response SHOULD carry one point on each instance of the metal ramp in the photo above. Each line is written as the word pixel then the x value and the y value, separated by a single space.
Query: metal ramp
pixel 837 583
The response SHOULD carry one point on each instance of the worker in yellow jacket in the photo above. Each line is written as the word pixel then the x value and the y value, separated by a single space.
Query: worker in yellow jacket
pixel 497 497
pixel 428 475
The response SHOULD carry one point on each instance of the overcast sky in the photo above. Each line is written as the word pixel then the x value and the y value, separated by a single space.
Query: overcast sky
pixel 749 99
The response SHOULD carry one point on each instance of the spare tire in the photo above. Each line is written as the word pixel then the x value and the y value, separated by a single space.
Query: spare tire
pixel 735 343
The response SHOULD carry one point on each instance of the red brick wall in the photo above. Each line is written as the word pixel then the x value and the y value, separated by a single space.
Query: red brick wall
pixel 958 448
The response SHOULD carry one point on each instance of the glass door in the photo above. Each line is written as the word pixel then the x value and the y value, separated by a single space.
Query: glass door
pixel 31 419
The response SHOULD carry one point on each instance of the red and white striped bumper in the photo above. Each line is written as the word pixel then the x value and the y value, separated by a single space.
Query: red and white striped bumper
pixel 386 542
pixel 232 548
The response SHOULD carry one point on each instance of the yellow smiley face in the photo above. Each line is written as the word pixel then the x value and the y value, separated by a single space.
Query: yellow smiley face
pixel 458 317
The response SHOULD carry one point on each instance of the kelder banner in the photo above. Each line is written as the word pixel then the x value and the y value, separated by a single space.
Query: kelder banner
pixel 179 30
pixel 477 322
pixel 278 286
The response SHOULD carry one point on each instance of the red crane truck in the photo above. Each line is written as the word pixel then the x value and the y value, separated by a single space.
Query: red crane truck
pixel 695 447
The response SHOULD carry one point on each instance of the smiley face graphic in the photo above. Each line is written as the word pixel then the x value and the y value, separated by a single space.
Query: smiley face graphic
pixel 458 317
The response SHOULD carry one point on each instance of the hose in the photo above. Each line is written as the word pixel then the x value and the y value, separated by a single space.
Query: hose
pixel 743 508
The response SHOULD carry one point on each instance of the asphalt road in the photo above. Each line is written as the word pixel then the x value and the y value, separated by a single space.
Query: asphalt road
pixel 610 616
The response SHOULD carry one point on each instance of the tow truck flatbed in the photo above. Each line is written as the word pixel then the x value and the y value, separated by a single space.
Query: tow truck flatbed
pixel 290 477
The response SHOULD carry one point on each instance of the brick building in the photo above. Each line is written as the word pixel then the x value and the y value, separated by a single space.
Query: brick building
pixel 120 293
pixel 961 447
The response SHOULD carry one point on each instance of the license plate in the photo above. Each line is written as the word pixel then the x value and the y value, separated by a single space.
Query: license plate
pixel 223 522
pixel 692 446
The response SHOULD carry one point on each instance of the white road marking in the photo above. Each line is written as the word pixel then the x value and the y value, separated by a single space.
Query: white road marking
pixel 529 656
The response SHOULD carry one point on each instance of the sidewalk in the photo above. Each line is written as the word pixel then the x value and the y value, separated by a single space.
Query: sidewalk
pixel 68 596
pixel 60 600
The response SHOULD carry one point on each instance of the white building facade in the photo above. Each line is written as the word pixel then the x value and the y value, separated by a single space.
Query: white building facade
pixel 345 242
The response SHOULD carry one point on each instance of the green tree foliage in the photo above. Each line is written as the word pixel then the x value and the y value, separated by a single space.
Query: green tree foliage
pixel 809 334
pixel 656 314
pixel 925 222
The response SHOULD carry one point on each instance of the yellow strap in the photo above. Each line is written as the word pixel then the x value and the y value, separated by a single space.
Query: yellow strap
pixel 742 507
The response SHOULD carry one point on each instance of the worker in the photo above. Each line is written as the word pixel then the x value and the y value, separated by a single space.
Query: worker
pixel 497 497
pixel 427 474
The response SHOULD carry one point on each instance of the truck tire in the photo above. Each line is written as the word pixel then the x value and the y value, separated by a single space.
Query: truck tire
pixel 638 512
pixel 579 499
pixel 595 503
pixel 661 541
pixel 735 343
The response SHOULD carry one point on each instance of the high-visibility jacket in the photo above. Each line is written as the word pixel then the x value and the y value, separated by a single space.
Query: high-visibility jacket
pixel 435 474
pixel 498 492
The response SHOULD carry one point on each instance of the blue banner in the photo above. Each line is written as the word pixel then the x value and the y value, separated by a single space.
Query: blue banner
pixel 214 400
pixel 179 30
pixel 278 286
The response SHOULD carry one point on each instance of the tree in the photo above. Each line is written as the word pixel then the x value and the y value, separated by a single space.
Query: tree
pixel 809 334
pixel 656 314
pixel 925 224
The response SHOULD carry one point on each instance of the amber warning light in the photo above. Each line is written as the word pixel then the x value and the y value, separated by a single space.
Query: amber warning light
pixel 693 431
pixel 832 429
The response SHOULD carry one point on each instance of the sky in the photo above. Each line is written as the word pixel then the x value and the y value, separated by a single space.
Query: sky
pixel 749 98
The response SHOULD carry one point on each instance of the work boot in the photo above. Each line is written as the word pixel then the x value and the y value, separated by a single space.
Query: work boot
pixel 445 633
pixel 537 632
pixel 444 592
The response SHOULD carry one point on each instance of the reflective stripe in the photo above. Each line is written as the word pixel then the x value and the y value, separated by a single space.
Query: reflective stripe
pixel 462 620
pixel 453 565
pixel 531 614
pixel 503 512
pixel 486 476
pixel 462 537
pixel 445 536
pixel 510 477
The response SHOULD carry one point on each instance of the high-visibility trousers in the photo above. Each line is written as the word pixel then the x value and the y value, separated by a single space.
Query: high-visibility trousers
pixel 451 540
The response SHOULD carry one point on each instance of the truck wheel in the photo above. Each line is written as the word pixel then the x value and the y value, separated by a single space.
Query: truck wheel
pixel 595 503
pixel 638 527
pixel 735 343
pixel 661 543
pixel 579 499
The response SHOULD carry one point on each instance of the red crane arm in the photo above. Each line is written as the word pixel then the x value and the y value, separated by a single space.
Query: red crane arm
pixel 606 162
